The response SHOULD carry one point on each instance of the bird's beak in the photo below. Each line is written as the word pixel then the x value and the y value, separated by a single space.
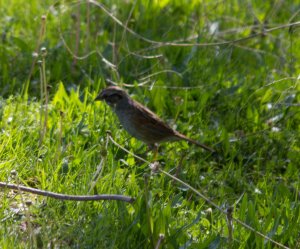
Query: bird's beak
pixel 99 97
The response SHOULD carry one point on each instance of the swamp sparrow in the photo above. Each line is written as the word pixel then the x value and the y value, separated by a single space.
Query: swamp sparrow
pixel 139 121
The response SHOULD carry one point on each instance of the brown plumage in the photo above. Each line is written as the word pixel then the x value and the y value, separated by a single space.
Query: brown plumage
pixel 139 121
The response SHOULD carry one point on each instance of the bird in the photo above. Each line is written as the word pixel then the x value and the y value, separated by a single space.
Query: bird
pixel 139 121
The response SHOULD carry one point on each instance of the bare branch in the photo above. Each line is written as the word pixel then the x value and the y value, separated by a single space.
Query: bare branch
pixel 67 197
pixel 155 167
pixel 184 44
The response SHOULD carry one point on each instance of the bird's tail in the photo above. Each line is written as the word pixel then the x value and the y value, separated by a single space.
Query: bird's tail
pixel 181 136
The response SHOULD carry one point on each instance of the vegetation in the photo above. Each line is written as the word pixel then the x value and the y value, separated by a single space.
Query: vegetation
pixel 177 57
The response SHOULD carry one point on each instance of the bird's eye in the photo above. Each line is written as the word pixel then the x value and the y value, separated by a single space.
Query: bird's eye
pixel 114 98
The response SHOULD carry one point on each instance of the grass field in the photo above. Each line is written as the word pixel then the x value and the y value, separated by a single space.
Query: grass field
pixel 225 73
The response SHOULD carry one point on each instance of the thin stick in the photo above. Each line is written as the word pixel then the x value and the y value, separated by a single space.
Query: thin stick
pixel 184 44
pixel 39 41
pixel 155 167
pixel 160 240
pixel 221 210
pixel 67 197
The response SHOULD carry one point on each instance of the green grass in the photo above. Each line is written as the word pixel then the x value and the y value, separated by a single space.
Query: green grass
pixel 242 99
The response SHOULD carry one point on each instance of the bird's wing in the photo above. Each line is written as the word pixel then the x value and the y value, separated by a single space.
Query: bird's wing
pixel 149 122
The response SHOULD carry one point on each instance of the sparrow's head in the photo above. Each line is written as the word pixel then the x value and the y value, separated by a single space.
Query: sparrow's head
pixel 112 95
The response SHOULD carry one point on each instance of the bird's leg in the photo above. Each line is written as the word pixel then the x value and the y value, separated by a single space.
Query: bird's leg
pixel 154 148
pixel 179 166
